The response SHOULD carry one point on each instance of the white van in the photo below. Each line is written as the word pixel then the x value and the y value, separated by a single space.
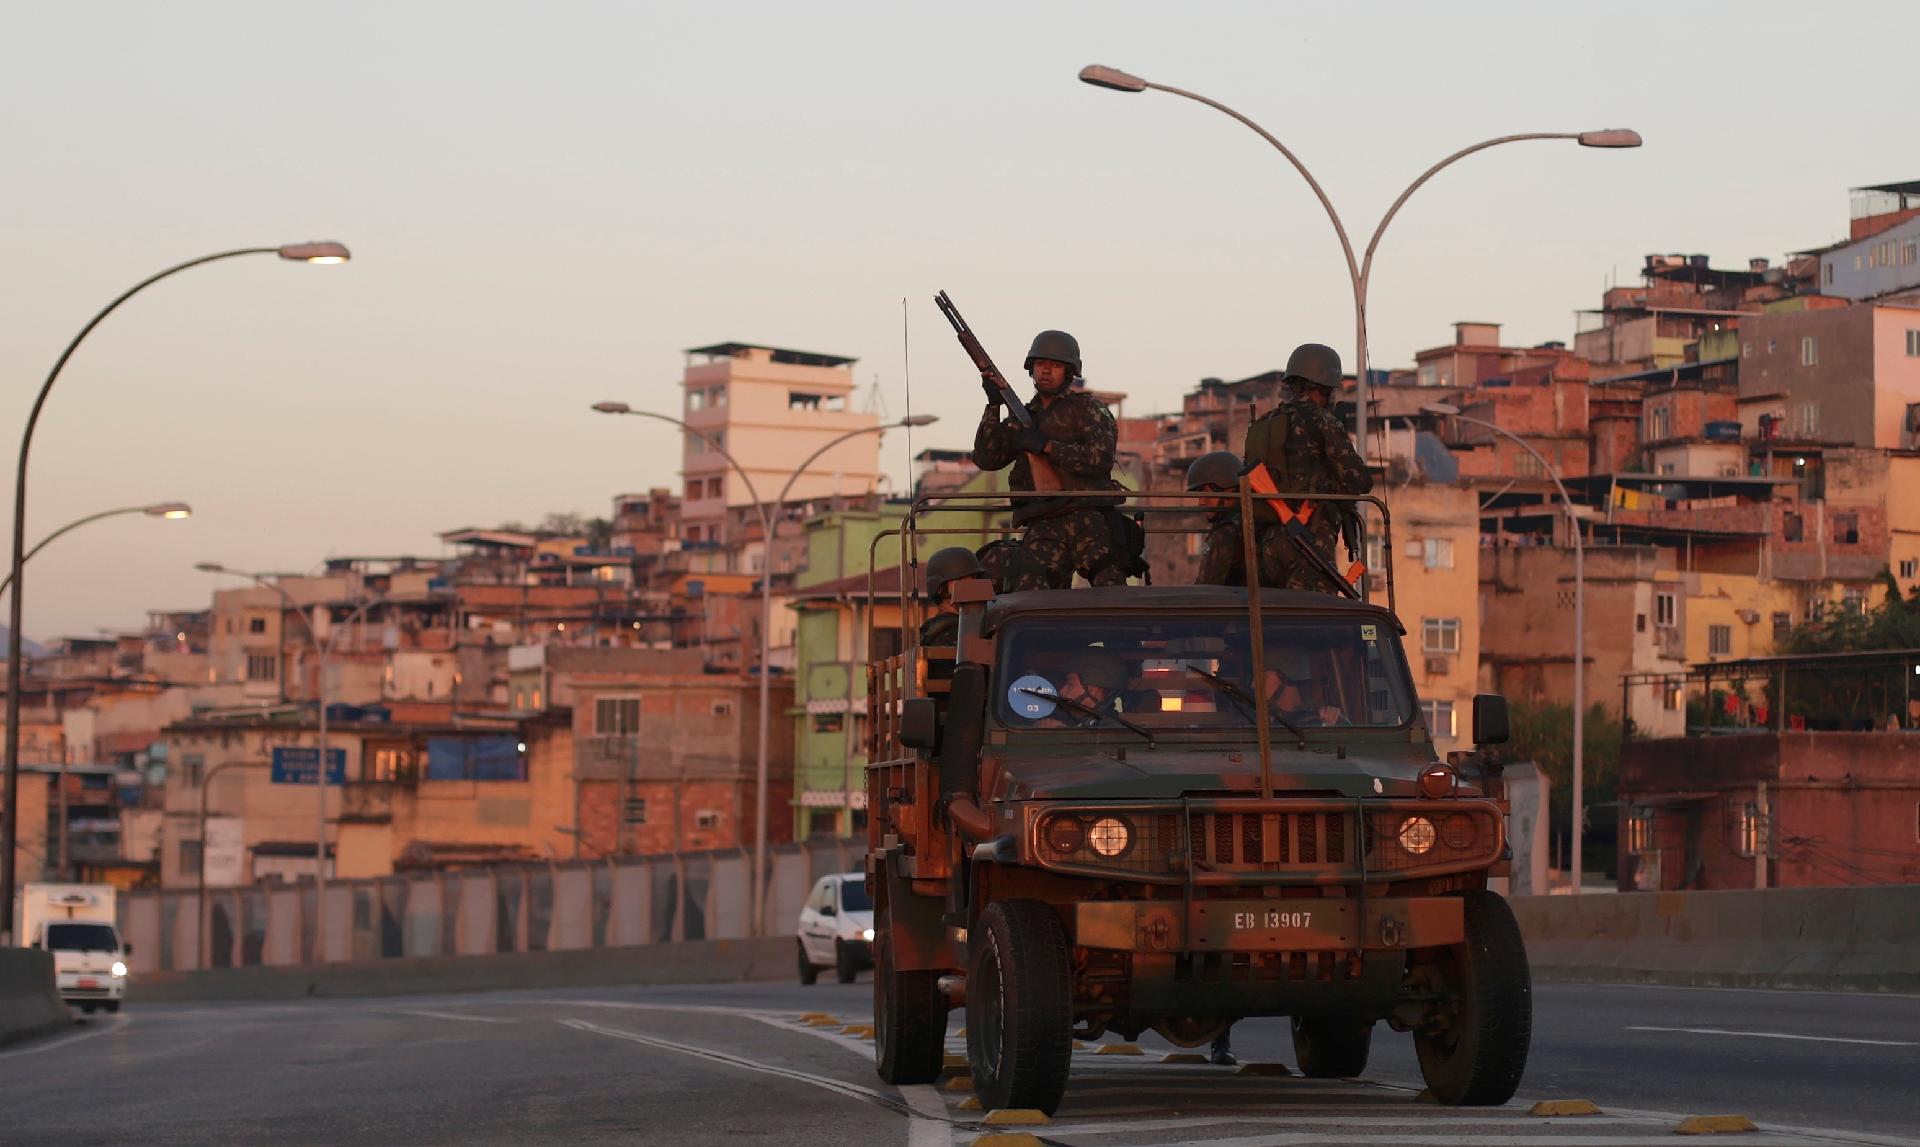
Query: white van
pixel 836 928
pixel 76 923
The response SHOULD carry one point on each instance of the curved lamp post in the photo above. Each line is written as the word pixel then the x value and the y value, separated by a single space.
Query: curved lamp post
pixel 1358 270
pixel 169 510
pixel 1449 410
pixel 323 653
pixel 765 511
pixel 320 252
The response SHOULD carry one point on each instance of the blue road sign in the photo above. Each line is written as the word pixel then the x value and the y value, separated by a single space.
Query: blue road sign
pixel 296 766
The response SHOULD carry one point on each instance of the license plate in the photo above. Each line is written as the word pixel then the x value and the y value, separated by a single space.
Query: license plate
pixel 87 983
pixel 1272 926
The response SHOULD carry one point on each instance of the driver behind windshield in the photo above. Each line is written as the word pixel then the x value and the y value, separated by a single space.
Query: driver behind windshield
pixel 1290 692
pixel 1095 680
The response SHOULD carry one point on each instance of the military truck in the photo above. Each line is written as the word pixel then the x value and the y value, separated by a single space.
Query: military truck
pixel 1244 816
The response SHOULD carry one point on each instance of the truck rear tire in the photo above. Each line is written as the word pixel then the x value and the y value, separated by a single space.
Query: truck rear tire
pixel 1478 1052
pixel 1331 1047
pixel 1020 1006
pixel 909 1020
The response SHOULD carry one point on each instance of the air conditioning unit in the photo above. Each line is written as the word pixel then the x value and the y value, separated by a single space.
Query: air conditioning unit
pixel 1437 666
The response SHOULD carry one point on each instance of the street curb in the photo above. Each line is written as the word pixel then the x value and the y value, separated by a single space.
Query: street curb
pixel 690 962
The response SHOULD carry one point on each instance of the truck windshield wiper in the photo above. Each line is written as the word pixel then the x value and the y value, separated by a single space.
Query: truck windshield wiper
pixel 1090 710
pixel 1246 702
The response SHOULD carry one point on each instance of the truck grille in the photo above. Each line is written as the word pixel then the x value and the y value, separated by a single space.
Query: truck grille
pixel 1319 842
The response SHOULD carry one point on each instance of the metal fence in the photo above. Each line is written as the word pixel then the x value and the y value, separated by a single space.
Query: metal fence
pixel 477 911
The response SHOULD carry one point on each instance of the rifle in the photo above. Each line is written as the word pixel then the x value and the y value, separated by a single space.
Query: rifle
pixel 1293 525
pixel 1045 477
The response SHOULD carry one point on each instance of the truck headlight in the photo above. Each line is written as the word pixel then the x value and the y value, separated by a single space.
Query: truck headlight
pixel 1417 835
pixel 1110 836
pixel 867 935
pixel 119 968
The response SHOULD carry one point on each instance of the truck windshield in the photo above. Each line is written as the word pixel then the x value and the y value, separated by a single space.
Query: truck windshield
pixel 82 938
pixel 1196 672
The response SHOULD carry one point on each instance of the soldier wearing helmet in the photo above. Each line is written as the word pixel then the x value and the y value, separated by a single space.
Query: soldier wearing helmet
pixel 1307 450
pixel 1073 435
pixel 1223 551
pixel 955 563
pixel 1096 680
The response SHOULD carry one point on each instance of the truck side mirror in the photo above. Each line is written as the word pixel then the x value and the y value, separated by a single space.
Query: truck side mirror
pixel 919 723
pixel 1489 719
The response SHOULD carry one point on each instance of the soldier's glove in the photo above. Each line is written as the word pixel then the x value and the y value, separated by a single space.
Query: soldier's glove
pixel 1033 440
pixel 994 397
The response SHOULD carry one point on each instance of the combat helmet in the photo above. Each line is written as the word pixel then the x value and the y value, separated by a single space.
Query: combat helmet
pixel 950 565
pixel 1056 345
pixel 1219 469
pixel 1097 666
pixel 1314 364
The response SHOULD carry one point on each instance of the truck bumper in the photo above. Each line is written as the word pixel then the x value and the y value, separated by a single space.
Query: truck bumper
pixel 1299 925
pixel 91 987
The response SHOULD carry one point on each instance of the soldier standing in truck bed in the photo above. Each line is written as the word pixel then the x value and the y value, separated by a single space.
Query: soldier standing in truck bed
pixel 1308 451
pixel 1074 435
pixel 1223 552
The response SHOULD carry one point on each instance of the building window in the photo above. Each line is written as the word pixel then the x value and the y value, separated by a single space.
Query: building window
pixel 1752 830
pixel 389 763
pixel 1437 553
pixel 262 667
pixel 1809 351
pixel 1809 419
pixel 256 625
pixel 707 818
pixel 1746 350
pixel 1909 567
pixel 1826 274
pixel 716 487
pixel 616 716
pixel 1854 600
pixel 1640 830
pixel 1846 528
pixel 1719 640
pixel 635 810
pixel 1782 626
pixel 1666 608
pixel 723 708
pixel 1792 526
pixel 1670 697
pixel 191 766
pixel 1525 465
pixel 1440 634
pixel 1639 623
pixel 1428 376
pixel 1439 715
pixel 696 399
pixel 190 853
pixel 829 722
pixel 1659 423
pixel 1913 344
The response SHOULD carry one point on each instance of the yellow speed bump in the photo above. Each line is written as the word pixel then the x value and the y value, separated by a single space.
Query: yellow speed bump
pixel 810 1017
pixel 1714 1125
pixel 864 1031
pixel 970 1103
pixel 1425 1097
pixel 1266 1069
pixel 824 1022
pixel 1564 1107
pixel 1078 1046
pixel 1015 1117
pixel 1183 1057
pixel 960 1083
pixel 1008 1139
pixel 1119 1049
pixel 961 1034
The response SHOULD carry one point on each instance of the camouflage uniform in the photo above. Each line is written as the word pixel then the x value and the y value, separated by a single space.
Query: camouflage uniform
pixel 1062 536
pixel 941 629
pixel 1223 552
pixel 1319 458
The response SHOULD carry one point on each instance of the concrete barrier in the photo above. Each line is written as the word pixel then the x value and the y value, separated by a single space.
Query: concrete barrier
pixel 690 962
pixel 30 1005
pixel 1852 939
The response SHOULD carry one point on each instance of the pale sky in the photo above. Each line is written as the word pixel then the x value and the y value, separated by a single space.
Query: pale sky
pixel 547 203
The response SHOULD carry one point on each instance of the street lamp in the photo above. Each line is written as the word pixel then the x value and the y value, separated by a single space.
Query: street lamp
pixel 323 653
pixel 1449 410
pixel 765 510
pixel 316 252
pixel 169 510
pixel 1358 271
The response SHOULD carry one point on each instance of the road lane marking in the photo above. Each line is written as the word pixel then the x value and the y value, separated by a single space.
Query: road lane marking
pixel 448 1016
pixel 1777 1035
pixel 39 1046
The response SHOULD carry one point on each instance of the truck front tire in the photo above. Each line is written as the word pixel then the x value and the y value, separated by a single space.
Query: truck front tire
pixel 1475 1055
pixel 909 1019
pixel 1019 1006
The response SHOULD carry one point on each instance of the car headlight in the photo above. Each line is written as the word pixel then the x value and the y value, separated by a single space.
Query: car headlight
pixel 1417 835
pixel 1065 834
pixel 1110 836
pixel 119 969
pixel 867 935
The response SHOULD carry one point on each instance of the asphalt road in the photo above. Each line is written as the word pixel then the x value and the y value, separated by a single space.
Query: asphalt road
pixel 713 1065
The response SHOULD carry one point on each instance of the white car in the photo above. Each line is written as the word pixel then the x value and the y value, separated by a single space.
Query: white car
pixel 836 928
